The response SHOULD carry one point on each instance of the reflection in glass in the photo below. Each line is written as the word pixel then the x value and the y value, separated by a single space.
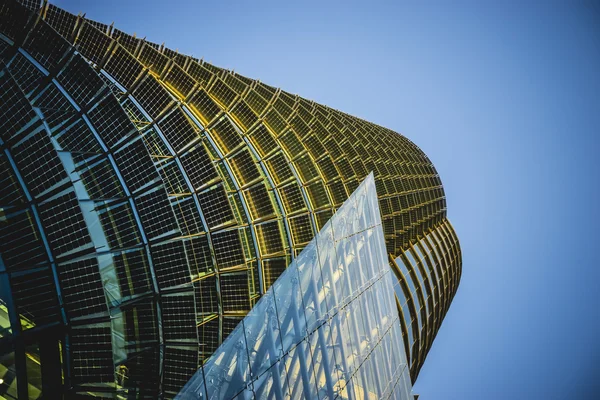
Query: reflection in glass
pixel 327 328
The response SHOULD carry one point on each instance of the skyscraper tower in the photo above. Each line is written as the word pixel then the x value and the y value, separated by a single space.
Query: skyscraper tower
pixel 149 199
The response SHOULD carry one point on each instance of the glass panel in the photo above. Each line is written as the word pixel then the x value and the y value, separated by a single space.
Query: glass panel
pixel 327 328
pixel 262 336
pixel 8 372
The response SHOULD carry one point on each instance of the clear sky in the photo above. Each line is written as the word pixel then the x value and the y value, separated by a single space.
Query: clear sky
pixel 505 100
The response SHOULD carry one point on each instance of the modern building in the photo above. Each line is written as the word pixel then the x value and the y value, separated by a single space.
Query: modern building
pixel 327 328
pixel 149 200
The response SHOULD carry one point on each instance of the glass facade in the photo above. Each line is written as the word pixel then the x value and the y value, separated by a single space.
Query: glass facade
pixel 328 326
pixel 148 200
pixel 424 288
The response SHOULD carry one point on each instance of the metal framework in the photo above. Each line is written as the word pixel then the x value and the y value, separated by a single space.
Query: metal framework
pixel 150 199
pixel 327 327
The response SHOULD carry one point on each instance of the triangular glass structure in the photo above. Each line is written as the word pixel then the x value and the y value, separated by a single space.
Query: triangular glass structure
pixel 327 328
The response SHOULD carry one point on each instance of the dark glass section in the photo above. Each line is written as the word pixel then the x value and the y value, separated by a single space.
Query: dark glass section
pixel 92 43
pixel 82 289
pixel 187 216
pixel 234 287
pixel 228 248
pixel 62 21
pixel 133 272
pixel 118 224
pixel 273 268
pixel 140 322
pixel 13 18
pixel 15 110
pixel 64 225
pixel 80 81
pixel 199 256
pixel 152 57
pixel 156 214
pixel 27 76
pixel 38 163
pixel 124 67
pixel 46 46
pixel 20 242
pixel 35 297
pixel 208 337
pixel 135 166
pixel 98 177
pixel 10 190
pixel 75 136
pixel 136 370
pixel 206 296
pixel 215 206
pixel 172 177
pixel 130 43
pixel 153 97
pixel 110 122
pixel 198 166
pixel 178 129
pixel 55 106
pixel 229 324
pixel 170 264
pixel 179 317
pixel 91 353
pixel 180 364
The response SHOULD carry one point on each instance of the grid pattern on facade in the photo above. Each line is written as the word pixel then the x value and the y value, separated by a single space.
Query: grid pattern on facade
pixel 328 153
pixel 326 328
pixel 428 274
pixel 83 221
pixel 143 173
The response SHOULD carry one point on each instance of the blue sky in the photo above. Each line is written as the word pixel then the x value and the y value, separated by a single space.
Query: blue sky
pixel 505 100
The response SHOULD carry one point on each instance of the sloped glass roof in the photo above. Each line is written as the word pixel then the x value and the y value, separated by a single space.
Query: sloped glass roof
pixel 327 328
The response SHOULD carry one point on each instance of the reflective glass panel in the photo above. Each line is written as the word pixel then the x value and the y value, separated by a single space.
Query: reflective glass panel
pixel 327 328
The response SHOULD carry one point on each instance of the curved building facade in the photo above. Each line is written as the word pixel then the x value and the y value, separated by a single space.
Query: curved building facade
pixel 149 199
